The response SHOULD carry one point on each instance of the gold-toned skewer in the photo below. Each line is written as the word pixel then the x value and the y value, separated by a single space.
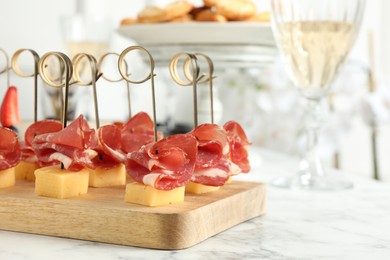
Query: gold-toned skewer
pixel 101 62
pixel 191 72
pixel 68 72
pixel 123 70
pixel 7 67
pixel 18 71
pixel 209 78
pixel 95 75
pixel 60 96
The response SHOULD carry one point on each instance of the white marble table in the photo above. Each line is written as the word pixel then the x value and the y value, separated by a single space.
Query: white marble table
pixel 353 224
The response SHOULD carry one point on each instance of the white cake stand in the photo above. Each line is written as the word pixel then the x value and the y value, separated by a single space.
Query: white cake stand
pixel 240 45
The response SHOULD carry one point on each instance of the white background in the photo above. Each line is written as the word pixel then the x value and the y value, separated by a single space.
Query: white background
pixel 35 24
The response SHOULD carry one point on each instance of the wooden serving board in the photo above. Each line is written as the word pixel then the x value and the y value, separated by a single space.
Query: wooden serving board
pixel 103 216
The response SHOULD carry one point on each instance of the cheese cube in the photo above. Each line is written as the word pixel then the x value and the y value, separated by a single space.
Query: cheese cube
pixel 129 178
pixel 106 178
pixel 55 182
pixel 146 195
pixel 230 180
pixel 7 177
pixel 25 170
pixel 197 188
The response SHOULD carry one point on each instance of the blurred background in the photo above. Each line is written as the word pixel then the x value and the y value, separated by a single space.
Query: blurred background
pixel 259 97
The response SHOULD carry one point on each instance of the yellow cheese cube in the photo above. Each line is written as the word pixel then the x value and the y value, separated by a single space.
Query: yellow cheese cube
pixel 106 178
pixel 129 178
pixel 197 188
pixel 55 182
pixel 230 180
pixel 7 177
pixel 25 170
pixel 146 195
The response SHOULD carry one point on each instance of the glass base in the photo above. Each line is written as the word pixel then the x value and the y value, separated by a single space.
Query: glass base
pixel 308 182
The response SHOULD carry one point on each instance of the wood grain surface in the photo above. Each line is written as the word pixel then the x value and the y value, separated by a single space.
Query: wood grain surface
pixel 103 216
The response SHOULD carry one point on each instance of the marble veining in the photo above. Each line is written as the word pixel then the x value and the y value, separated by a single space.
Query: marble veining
pixel 353 224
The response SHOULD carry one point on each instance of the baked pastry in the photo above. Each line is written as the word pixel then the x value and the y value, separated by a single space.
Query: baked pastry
pixel 178 9
pixel 195 11
pixel 208 15
pixel 235 10
pixel 128 21
pixel 210 3
pixel 153 14
pixel 211 11
pixel 182 19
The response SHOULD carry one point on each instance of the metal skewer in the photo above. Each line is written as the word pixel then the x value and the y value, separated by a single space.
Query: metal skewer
pixel 191 72
pixel 68 72
pixel 123 70
pixel 67 75
pixel 95 75
pixel 18 71
pixel 101 62
pixel 208 78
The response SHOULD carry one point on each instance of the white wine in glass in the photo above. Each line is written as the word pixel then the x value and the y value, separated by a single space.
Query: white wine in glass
pixel 314 38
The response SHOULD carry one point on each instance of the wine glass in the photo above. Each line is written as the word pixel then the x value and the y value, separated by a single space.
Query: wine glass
pixel 314 37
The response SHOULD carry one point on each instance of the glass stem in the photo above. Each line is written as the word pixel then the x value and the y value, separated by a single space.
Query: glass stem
pixel 310 164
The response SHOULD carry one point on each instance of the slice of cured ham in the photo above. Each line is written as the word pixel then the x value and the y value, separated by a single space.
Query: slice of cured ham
pixel 41 127
pixel 213 166
pixel 35 129
pixel 212 141
pixel 71 146
pixel 108 142
pixel 27 153
pixel 77 135
pixel 136 132
pixel 238 143
pixel 164 165
pixel 9 148
pixel 119 140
